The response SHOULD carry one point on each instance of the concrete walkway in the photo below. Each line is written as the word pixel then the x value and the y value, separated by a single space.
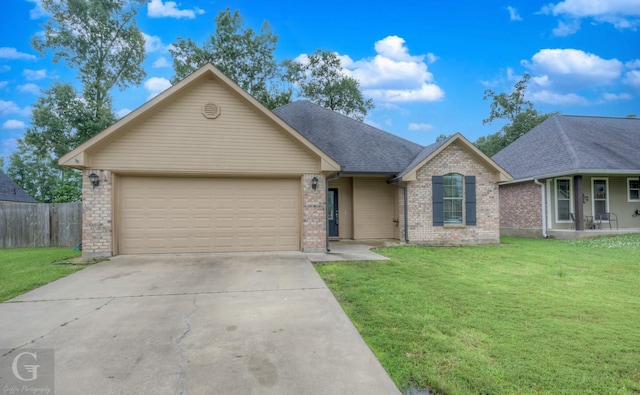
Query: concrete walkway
pixel 193 324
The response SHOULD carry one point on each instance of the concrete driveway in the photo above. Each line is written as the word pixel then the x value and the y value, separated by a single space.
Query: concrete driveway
pixel 194 324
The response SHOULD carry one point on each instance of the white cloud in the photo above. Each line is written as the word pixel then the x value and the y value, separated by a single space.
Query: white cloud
pixel 29 88
pixel 623 14
pixel 13 124
pixel 513 14
pixel 634 64
pixel 565 29
pixel 160 9
pixel 632 78
pixel 153 43
pixel 545 96
pixel 614 97
pixel 420 127
pixel 34 75
pixel 9 107
pixel 4 68
pixel 394 75
pixel 572 68
pixel 155 85
pixel 37 11
pixel 161 62
pixel 3 84
pixel 12 53
pixel 122 112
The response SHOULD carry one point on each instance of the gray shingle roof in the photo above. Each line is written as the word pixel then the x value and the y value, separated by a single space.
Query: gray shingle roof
pixel 356 146
pixel 564 144
pixel 10 191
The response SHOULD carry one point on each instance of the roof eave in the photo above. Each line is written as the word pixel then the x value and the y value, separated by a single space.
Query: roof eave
pixel 595 172
pixel 500 174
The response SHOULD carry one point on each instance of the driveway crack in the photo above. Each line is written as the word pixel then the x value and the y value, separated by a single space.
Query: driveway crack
pixel 58 327
pixel 182 362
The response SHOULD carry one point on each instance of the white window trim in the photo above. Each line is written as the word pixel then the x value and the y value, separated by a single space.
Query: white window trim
pixel 629 190
pixel 462 198
pixel 555 202
pixel 593 195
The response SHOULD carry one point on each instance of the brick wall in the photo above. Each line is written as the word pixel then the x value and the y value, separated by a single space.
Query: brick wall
pixel 97 210
pixel 314 224
pixel 453 159
pixel 520 211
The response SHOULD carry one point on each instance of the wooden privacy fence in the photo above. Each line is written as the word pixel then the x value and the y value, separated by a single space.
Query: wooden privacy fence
pixel 40 224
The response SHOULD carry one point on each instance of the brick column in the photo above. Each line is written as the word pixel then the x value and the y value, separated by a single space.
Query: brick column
pixel 314 214
pixel 97 211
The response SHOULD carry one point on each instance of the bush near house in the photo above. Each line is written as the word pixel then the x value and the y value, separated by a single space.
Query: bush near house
pixel 527 316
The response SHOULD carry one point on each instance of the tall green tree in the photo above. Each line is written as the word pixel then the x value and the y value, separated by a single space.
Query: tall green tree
pixel 520 114
pixel 102 40
pixel 242 54
pixel 60 120
pixel 323 81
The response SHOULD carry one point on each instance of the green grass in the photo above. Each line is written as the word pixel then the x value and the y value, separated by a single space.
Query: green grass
pixel 527 316
pixel 23 269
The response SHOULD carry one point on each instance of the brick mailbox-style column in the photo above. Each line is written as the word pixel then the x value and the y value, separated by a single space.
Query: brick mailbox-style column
pixel 314 213
pixel 97 215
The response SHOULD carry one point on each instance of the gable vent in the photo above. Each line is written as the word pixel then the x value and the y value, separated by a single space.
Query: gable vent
pixel 211 110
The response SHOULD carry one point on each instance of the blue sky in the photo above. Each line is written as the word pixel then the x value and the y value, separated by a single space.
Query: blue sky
pixel 425 63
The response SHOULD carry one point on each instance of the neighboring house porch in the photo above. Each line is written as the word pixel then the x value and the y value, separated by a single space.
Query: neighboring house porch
pixel 573 176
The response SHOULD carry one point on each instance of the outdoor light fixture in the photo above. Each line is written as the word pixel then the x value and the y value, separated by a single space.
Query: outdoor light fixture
pixel 95 180
pixel 314 183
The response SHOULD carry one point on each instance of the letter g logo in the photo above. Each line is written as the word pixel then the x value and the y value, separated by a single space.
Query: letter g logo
pixel 33 369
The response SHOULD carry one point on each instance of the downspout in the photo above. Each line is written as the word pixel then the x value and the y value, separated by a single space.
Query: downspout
pixel 326 198
pixel 543 208
pixel 396 182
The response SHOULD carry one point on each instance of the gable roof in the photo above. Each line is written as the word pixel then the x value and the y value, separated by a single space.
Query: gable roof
pixel 78 157
pixel 11 192
pixel 430 151
pixel 358 147
pixel 566 144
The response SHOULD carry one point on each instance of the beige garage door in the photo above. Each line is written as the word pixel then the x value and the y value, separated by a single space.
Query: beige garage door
pixel 170 215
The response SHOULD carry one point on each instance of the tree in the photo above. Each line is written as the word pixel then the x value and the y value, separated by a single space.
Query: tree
pixel 441 137
pixel 60 120
pixel 322 81
pixel 519 113
pixel 101 39
pixel 243 55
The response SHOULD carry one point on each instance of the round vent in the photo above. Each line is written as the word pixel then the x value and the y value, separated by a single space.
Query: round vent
pixel 211 110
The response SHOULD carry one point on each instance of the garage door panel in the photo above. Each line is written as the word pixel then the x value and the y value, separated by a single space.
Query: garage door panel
pixel 157 215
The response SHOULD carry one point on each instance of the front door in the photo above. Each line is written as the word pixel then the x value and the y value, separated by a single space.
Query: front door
pixel 332 212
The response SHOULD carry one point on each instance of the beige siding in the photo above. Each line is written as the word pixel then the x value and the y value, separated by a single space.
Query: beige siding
pixel 178 138
pixel 172 215
pixel 374 209
pixel 345 206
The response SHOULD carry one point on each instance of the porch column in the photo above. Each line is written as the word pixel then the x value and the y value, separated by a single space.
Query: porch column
pixel 578 202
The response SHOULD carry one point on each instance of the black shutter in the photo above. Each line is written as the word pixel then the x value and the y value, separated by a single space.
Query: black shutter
pixel 470 199
pixel 438 201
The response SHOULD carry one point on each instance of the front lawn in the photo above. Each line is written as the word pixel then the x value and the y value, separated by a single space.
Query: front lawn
pixel 527 316
pixel 23 269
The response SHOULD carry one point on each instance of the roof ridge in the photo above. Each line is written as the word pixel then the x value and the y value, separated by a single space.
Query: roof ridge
pixel 575 161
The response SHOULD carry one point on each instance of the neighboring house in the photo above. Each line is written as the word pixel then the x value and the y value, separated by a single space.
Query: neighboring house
pixel 204 167
pixel 571 166
pixel 10 192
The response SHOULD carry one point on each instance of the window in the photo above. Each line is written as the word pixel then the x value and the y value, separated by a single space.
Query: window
pixel 633 189
pixel 450 192
pixel 452 198
pixel 563 199
pixel 600 196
